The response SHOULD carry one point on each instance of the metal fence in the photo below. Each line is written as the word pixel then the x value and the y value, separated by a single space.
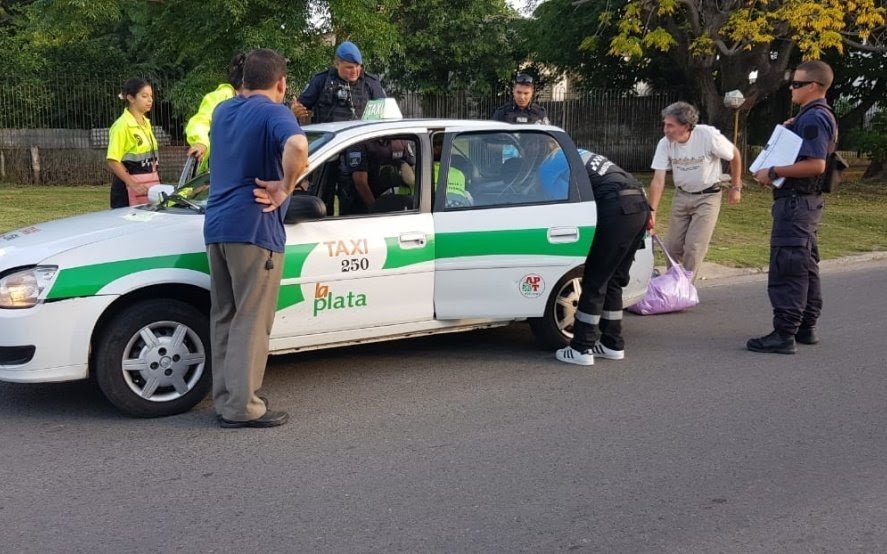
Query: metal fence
pixel 56 132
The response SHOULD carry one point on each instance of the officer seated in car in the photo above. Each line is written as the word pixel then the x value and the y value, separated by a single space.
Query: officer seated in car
pixel 373 169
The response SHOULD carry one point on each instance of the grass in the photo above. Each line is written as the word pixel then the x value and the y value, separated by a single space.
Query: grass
pixel 23 205
pixel 855 218
pixel 854 221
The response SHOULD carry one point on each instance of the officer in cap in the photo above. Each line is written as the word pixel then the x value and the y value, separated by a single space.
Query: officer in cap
pixel 341 92
pixel 522 109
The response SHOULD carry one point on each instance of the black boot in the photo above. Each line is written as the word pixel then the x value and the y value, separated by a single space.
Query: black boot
pixel 807 335
pixel 774 342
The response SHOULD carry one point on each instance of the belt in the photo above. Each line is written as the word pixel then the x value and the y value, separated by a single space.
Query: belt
pixel 623 192
pixel 710 190
pixel 789 193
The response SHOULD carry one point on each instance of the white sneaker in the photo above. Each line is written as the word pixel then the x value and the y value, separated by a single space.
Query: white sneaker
pixel 572 356
pixel 600 350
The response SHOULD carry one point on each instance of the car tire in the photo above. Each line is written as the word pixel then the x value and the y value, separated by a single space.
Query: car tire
pixel 152 359
pixel 554 329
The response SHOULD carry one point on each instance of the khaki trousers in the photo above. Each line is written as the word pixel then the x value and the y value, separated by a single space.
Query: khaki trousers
pixel 243 292
pixel 690 227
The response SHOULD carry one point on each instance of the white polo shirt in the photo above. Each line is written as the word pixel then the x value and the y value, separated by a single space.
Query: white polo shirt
pixel 696 164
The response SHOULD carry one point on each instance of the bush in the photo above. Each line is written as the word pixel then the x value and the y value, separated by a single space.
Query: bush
pixel 873 143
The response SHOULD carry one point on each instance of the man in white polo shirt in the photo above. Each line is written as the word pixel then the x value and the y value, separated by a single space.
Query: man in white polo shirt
pixel 693 154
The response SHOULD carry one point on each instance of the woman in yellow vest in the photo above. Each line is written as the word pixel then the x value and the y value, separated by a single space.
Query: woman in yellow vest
pixel 132 148
pixel 197 129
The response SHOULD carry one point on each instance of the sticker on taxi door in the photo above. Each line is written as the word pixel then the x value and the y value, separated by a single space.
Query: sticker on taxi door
pixel 532 285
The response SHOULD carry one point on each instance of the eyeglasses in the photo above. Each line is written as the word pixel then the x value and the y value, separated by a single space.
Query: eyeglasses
pixel 524 79
pixel 802 84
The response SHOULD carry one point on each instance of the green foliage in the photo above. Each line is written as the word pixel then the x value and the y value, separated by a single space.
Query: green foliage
pixel 715 45
pixel 431 45
pixel 574 38
pixel 455 44
pixel 873 142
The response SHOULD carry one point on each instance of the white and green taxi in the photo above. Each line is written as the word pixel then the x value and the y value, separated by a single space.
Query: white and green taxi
pixel 123 295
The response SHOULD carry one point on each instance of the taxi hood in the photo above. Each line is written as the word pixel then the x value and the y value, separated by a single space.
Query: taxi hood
pixel 35 243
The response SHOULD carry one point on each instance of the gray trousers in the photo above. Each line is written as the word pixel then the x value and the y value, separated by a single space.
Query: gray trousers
pixel 244 297
pixel 690 227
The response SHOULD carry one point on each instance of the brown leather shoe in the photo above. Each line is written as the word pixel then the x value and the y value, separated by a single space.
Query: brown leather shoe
pixel 269 419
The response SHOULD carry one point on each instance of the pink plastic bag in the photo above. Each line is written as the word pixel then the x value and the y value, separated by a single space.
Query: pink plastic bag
pixel 670 292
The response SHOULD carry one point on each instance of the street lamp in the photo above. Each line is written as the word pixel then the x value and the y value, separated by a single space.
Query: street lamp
pixel 734 100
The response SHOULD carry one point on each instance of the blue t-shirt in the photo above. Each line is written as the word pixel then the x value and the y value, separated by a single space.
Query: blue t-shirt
pixel 814 124
pixel 247 137
pixel 554 173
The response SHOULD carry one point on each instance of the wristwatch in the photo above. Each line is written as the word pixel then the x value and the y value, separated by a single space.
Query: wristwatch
pixel 771 173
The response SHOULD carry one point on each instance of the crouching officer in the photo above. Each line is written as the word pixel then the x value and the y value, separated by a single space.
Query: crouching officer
pixel 371 169
pixel 522 109
pixel 623 217
pixel 340 93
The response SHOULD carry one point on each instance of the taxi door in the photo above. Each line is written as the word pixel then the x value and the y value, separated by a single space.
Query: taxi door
pixel 502 248
pixel 351 272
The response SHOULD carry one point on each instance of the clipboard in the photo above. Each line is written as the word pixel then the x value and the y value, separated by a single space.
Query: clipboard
pixel 782 149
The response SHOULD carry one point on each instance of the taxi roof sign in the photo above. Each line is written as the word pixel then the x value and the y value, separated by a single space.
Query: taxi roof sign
pixel 382 108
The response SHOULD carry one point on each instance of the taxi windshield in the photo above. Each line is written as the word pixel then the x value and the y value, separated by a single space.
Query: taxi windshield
pixel 195 192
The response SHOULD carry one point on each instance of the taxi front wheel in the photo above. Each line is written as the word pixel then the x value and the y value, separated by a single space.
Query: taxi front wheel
pixel 153 359
pixel 555 328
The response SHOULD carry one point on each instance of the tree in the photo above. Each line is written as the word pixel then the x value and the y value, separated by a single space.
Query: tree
pixel 455 44
pixel 558 38
pixel 860 81
pixel 716 44
pixel 873 142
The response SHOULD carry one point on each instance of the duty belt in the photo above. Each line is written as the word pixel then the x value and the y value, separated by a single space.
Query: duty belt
pixel 623 192
pixel 710 190
pixel 787 193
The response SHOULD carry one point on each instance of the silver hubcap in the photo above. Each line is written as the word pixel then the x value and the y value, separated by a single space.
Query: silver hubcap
pixel 566 305
pixel 163 361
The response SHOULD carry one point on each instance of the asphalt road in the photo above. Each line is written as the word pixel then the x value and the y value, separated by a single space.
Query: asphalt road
pixel 479 442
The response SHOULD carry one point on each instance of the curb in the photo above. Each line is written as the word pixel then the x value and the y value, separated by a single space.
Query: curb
pixel 713 272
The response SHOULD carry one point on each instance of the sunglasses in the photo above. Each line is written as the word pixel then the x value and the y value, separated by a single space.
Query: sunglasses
pixel 802 84
pixel 524 79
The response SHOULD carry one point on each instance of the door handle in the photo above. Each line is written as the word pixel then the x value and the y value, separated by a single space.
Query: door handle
pixel 412 240
pixel 563 234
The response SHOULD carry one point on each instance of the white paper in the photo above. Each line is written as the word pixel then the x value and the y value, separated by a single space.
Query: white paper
pixel 155 190
pixel 782 149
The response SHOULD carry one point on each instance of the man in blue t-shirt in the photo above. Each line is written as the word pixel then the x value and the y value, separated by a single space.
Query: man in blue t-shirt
pixel 259 151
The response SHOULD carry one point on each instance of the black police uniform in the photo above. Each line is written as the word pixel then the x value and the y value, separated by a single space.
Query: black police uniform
pixel 381 159
pixel 623 212
pixel 331 98
pixel 512 113
pixel 793 282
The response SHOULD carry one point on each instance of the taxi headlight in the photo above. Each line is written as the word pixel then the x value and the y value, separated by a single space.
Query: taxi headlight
pixel 24 288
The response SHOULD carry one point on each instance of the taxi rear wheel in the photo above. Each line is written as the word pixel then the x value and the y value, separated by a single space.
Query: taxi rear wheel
pixel 153 358
pixel 555 328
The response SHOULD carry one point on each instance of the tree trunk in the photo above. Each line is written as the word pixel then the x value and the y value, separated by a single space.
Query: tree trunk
pixel 875 170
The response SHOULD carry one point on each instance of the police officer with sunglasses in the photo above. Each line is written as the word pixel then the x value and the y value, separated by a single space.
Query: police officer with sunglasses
pixel 793 278
pixel 522 109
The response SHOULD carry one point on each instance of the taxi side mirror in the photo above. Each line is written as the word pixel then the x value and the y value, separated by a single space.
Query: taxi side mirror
pixel 304 207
